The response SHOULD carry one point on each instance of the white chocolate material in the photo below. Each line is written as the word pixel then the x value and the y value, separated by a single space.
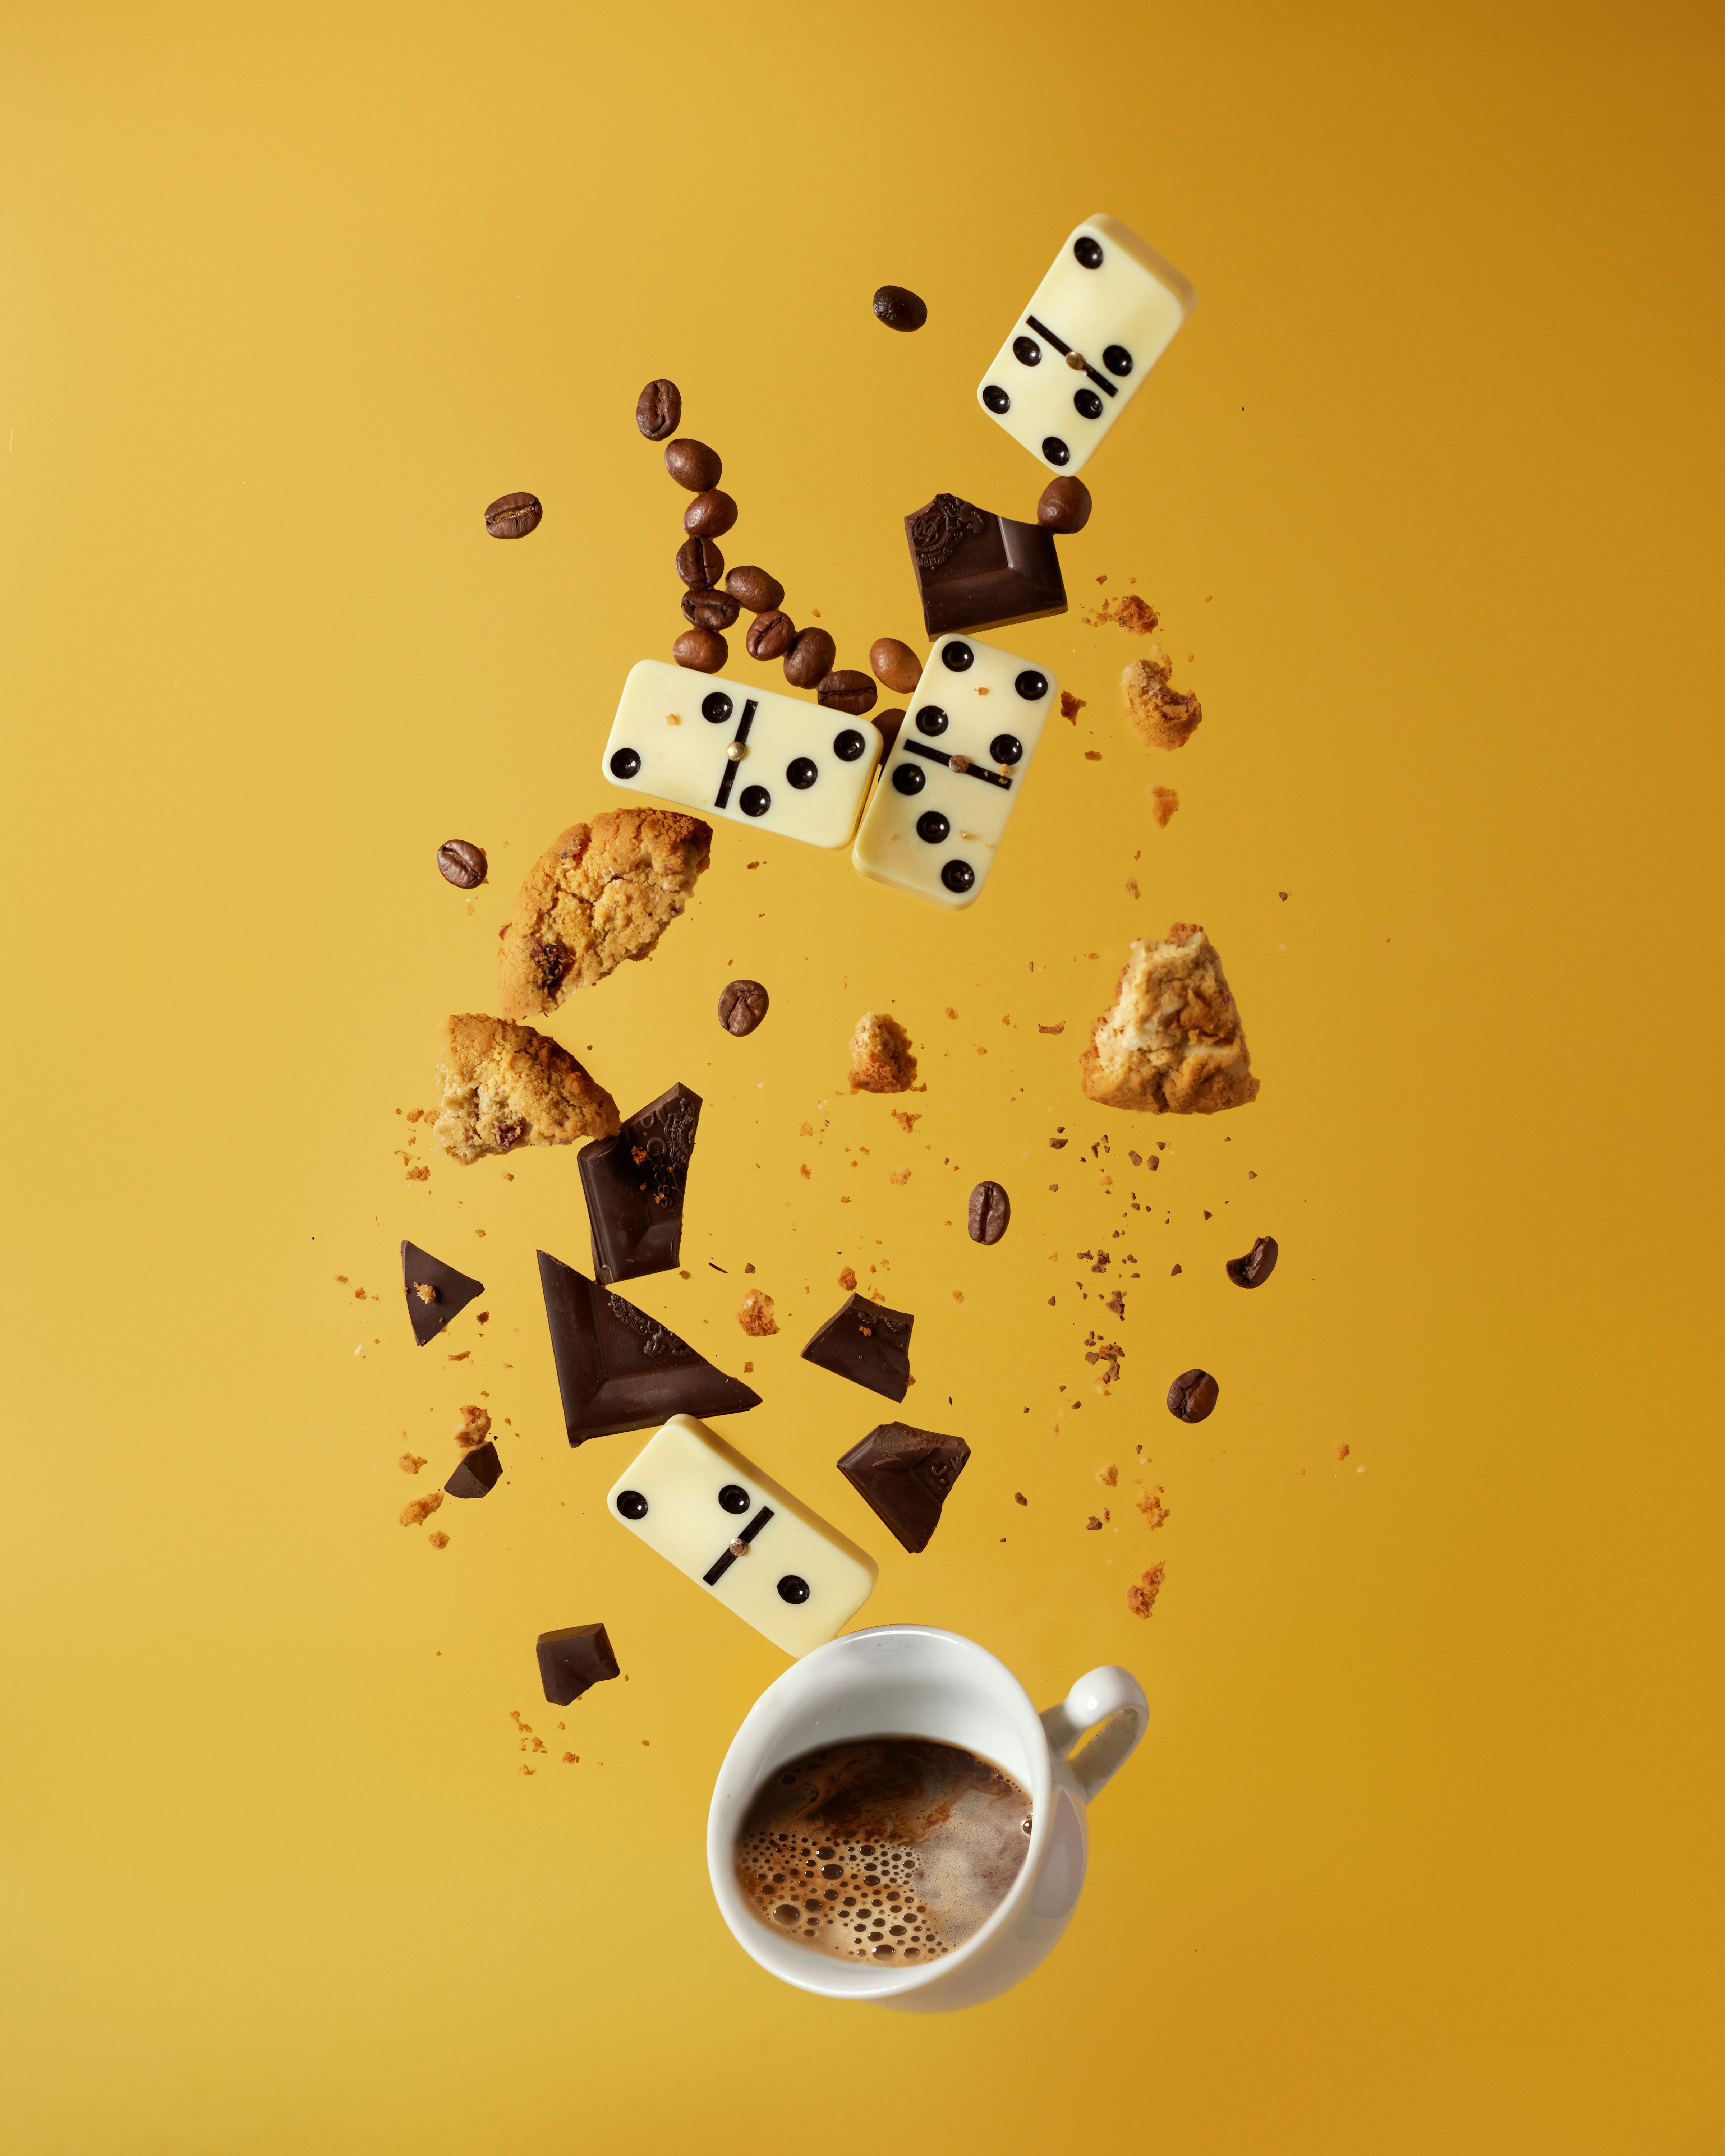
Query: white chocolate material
pixel 1118 315
pixel 780 765
pixel 701 1496
pixel 927 830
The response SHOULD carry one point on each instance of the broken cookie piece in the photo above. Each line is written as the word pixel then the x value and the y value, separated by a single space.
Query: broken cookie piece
pixel 504 1085
pixel 1163 802
pixel 756 1316
pixel 1161 716
pixel 880 1058
pixel 1173 1043
pixel 603 893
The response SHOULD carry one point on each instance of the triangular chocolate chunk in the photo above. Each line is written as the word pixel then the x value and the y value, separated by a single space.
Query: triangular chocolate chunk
pixel 450 1291
pixel 906 1474
pixel 618 1368
pixel 868 1343
pixel 634 1186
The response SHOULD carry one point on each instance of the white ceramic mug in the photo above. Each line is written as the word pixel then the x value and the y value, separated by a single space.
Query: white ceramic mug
pixel 913 1681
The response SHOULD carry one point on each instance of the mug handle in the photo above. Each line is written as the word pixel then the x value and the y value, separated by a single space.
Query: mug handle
pixel 1111 1695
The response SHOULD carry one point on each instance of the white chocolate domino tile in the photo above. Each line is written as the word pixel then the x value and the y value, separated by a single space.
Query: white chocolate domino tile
pixel 1095 325
pixel 801 771
pixel 955 771
pixel 741 1536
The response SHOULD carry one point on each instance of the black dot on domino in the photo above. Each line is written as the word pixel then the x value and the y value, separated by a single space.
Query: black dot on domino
pixel 625 763
pixel 792 1590
pixel 1031 686
pixel 958 875
pixel 632 1504
pixel 734 1498
pixel 1056 451
pixel 849 746
pixel 1117 360
pixel 1089 251
pixel 754 801
pixel 958 656
pixel 931 720
pixel 1087 404
pixel 909 778
pixel 1007 748
pixel 716 709
pixel 997 400
pixel 932 826
pixel 1027 351
pixel 802 772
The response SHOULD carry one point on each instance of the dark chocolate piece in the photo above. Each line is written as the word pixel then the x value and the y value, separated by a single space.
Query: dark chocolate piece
pixel 451 1292
pixel 906 1474
pixel 634 1187
pixel 867 1344
pixel 618 1368
pixel 976 571
pixel 571 1660
pixel 477 1474
pixel 1257 1266
pixel 900 308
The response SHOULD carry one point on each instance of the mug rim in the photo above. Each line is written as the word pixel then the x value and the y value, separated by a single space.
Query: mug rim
pixel 721 1837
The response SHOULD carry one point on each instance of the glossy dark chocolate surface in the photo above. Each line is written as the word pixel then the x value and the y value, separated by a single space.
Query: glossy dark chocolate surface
pixel 906 1474
pixel 635 1185
pixel 455 1291
pixel 977 571
pixel 476 1474
pixel 572 1661
pixel 868 1344
pixel 618 1368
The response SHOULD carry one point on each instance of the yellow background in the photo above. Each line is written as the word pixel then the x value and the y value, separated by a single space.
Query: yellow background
pixel 1421 1852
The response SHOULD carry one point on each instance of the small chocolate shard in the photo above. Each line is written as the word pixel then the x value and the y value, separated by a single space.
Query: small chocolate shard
pixel 450 1291
pixel 1257 1266
pixel 619 1369
pixel 977 571
pixel 906 1474
pixel 477 1475
pixel 572 1661
pixel 868 1343
pixel 634 1184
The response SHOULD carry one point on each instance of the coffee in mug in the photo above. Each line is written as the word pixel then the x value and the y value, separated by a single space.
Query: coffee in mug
pixel 894 1849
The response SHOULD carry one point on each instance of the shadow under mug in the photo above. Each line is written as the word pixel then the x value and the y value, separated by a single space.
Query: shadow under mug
pixel 914 1680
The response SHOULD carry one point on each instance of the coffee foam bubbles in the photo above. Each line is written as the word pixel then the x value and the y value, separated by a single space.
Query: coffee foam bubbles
pixel 890 1848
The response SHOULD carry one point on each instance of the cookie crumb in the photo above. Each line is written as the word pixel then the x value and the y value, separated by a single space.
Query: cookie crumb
pixel 410 1463
pixel 1070 705
pixel 417 1510
pixel 425 1292
pixel 847 1281
pixel 475 1428
pixel 756 1316
pixel 880 1057
pixel 1141 1599
pixel 1019 1498
pixel 1163 802
pixel 1107 1476
pixel 438 1539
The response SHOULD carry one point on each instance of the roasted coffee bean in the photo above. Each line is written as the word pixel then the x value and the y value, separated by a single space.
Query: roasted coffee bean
pixel 755 589
pixel 1192 1394
pixel 513 515
pixel 659 410
pixel 1065 505
pixel 462 862
pixel 700 563
pixel 900 310
pixel 702 649
pixel 809 658
pixel 709 609
pixel 990 1209
pixel 693 464
pixel 895 664
pixel 742 1007
pixel 771 635
pixel 847 691
pixel 710 515
pixel 886 725
pixel 1257 1266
